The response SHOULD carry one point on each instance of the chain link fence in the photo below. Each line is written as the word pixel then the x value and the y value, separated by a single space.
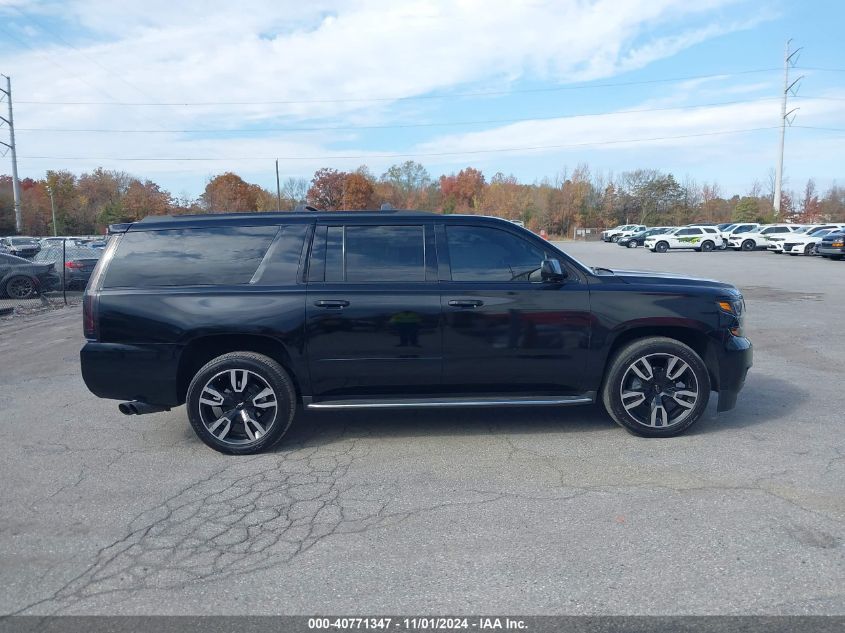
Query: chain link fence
pixel 43 274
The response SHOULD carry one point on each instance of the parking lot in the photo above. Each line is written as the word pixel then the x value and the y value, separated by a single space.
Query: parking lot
pixel 530 511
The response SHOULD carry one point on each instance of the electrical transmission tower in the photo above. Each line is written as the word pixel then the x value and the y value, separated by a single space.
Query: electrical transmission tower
pixel 789 61
pixel 16 183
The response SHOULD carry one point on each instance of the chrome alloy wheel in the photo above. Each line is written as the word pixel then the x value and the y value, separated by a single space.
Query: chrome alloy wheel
pixel 238 407
pixel 659 390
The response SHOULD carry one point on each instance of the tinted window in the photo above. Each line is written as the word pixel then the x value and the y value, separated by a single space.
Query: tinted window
pixel 334 253
pixel 688 232
pixel 187 257
pixel 384 253
pixel 282 262
pixel 487 254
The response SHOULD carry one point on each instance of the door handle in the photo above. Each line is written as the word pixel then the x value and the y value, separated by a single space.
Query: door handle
pixel 331 303
pixel 466 303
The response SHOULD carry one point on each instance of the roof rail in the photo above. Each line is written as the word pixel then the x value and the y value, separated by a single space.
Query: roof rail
pixel 306 207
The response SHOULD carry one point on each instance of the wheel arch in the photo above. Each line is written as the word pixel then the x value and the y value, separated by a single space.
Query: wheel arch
pixel 697 340
pixel 202 349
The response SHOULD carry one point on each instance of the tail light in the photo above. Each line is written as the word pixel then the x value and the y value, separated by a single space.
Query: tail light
pixel 73 265
pixel 89 316
pixel 91 298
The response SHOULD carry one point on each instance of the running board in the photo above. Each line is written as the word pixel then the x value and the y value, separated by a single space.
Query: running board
pixel 407 403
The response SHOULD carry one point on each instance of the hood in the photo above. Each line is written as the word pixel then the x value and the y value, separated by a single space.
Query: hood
pixel 669 279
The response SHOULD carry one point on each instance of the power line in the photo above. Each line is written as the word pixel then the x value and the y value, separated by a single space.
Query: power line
pixel 404 155
pixel 454 95
pixel 400 125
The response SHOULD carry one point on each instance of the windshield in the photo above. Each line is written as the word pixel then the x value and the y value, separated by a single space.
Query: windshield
pixel 726 227
pixel 22 241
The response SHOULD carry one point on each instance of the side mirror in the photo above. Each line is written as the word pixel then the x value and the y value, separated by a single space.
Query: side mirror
pixel 551 270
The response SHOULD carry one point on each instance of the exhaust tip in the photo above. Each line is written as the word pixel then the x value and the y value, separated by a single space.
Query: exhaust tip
pixel 127 408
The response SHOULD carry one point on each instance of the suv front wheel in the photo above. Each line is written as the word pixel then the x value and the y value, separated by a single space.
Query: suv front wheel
pixel 656 387
pixel 241 403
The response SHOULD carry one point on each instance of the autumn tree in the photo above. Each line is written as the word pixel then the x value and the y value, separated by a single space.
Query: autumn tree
pixel 326 191
pixel 462 192
pixel 229 192
pixel 357 191
pixel 143 199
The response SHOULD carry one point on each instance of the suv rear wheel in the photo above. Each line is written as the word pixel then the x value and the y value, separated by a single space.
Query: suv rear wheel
pixel 241 403
pixel 656 387
pixel 707 246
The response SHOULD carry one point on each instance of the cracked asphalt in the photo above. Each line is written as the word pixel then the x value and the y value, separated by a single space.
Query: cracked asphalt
pixel 529 511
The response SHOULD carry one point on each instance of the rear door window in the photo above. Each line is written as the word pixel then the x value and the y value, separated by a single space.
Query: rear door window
pixel 189 257
pixel 369 253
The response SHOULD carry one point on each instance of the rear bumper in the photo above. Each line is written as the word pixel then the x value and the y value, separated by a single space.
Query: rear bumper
pixel 132 372
pixel 734 361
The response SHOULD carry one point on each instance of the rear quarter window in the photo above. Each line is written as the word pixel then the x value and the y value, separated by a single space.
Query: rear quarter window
pixel 189 257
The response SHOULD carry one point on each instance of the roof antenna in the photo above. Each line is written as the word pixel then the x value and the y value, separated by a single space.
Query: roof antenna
pixel 306 207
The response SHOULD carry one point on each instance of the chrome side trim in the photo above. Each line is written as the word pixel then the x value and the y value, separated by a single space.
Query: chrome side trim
pixel 444 403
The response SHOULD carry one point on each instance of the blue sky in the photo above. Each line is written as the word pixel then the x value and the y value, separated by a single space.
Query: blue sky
pixel 524 88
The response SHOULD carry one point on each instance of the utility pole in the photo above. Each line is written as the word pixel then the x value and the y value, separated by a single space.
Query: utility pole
pixel 278 188
pixel 789 60
pixel 16 183
pixel 53 207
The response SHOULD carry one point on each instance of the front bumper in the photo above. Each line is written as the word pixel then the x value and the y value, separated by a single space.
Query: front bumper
pixel 734 359
pixel 777 247
pixel 831 250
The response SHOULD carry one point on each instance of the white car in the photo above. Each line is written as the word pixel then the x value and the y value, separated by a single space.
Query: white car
pixel 805 243
pixel 611 235
pixel 637 228
pixel 759 238
pixel 734 230
pixel 700 238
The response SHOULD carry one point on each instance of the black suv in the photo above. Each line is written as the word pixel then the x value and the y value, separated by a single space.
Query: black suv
pixel 243 317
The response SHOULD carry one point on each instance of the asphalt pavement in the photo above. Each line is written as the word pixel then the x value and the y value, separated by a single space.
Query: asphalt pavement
pixel 529 511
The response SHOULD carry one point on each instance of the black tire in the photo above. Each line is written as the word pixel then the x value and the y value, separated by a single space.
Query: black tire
pixel 661 247
pixel 808 250
pixel 749 245
pixel 241 442
pixel 707 246
pixel 632 244
pixel 656 348
pixel 614 239
pixel 20 287
pixel 836 257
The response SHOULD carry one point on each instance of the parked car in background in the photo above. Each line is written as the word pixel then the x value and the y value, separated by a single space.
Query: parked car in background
pixel 639 238
pixel 605 235
pixel 703 238
pixel 21 246
pixel 639 228
pixel 78 263
pixel 737 229
pixel 807 243
pixel 24 279
pixel 349 311
pixel 777 242
pixel 759 238
pixel 611 235
pixel 832 245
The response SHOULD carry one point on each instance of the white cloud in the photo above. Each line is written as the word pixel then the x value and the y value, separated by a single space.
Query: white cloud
pixel 266 50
